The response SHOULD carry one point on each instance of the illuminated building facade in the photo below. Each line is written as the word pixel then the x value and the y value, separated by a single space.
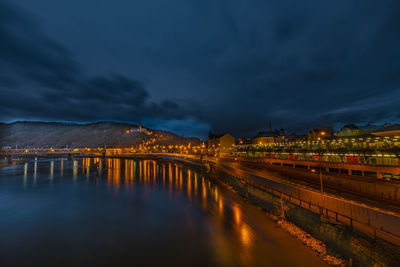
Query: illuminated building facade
pixel 263 138
pixel 268 137
pixel 221 145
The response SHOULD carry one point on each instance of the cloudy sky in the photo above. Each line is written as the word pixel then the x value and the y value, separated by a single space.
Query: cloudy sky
pixel 197 65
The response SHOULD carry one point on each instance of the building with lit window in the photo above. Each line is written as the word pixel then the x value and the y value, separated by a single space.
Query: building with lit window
pixel 220 144
pixel 319 133
pixel 263 138
pixel 268 137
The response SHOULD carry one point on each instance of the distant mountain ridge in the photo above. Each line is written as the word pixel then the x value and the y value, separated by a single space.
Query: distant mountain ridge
pixel 37 134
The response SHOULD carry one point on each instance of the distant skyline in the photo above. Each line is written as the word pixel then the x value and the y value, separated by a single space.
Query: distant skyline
pixel 203 136
pixel 193 66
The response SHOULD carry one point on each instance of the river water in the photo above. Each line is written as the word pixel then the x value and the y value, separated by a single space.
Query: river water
pixel 122 212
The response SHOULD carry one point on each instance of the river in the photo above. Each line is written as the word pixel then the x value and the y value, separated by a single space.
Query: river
pixel 122 212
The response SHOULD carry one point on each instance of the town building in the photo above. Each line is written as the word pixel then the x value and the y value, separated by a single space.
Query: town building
pixel 349 130
pixel 269 137
pixel 354 130
pixel 320 133
pixel 220 144
pixel 244 141
pixel 265 137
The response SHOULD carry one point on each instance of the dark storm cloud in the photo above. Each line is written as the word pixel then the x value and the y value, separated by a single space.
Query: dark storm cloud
pixel 40 80
pixel 27 55
pixel 25 52
pixel 322 59
pixel 233 64
pixel 117 89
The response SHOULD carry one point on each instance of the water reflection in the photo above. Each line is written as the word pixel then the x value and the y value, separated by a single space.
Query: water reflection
pixel 62 167
pixel 35 172
pixel 122 173
pixel 75 170
pixel 25 173
pixel 51 175
pixel 203 193
pixel 157 199
pixel 189 184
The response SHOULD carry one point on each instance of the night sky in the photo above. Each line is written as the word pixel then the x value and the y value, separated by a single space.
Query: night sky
pixel 191 66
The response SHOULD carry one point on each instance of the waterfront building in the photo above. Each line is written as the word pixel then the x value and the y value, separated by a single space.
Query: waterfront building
pixel 220 144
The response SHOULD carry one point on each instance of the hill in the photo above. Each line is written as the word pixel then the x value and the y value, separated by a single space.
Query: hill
pixel 92 135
